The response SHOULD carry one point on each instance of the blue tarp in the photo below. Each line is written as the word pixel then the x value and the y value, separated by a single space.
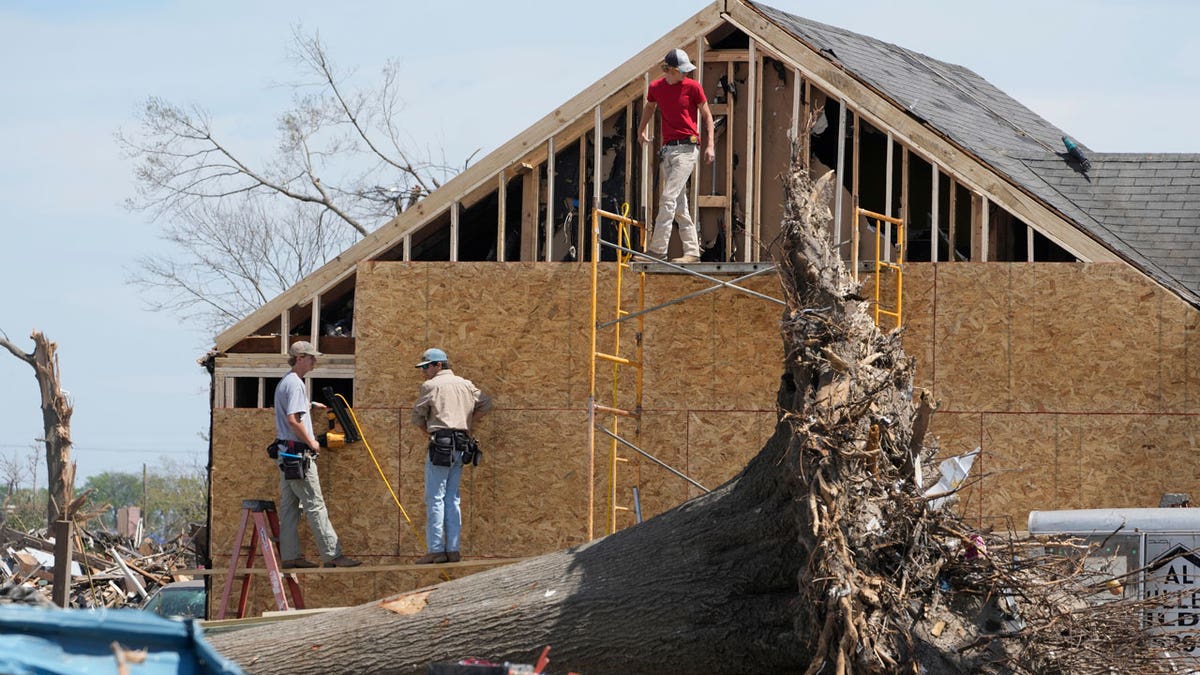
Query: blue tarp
pixel 52 641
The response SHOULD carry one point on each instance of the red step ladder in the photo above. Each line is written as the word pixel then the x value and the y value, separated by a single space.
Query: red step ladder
pixel 262 538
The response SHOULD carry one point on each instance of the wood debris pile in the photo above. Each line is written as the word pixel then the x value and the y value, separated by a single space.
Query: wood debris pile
pixel 107 570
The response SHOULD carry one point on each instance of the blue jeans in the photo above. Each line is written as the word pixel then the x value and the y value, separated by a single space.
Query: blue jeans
pixel 443 517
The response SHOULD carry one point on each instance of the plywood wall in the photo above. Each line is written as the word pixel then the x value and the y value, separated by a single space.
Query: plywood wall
pixel 520 331
pixel 1078 381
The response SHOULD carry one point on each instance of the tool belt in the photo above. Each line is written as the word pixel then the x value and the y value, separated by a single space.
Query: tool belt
pixel 453 447
pixel 293 457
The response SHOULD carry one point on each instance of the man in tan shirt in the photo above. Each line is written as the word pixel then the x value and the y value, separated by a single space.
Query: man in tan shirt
pixel 446 407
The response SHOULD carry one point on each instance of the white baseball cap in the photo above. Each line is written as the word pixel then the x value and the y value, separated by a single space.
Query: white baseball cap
pixel 677 58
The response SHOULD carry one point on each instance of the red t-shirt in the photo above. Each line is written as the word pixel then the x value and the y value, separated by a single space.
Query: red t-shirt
pixel 678 104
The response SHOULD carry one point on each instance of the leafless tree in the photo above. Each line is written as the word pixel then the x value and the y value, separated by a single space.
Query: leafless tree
pixel 242 229
pixel 56 421
pixel 12 472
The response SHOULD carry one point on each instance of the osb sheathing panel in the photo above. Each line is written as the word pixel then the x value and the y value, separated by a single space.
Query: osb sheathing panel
pixel 721 443
pixel 718 444
pixel 747 363
pixel 360 507
pixel 972 331
pixel 1179 365
pixel 678 351
pixel 1071 350
pixel 1126 460
pixel 1029 337
pixel 391 306
pixel 1190 320
pixel 1019 467
pixel 700 353
pixel 920 287
pixel 1074 461
pixel 529 494
pixel 240 470
pixel 511 332
pixel 414 448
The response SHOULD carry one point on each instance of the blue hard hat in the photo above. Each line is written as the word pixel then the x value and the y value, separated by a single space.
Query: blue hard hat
pixel 432 355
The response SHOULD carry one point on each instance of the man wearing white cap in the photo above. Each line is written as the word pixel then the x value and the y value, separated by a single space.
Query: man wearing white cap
pixel 299 485
pixel 446 407
pixel 681 101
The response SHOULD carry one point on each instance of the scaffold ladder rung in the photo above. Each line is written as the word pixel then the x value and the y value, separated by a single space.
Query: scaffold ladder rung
pixel 615 359
pixel 618 411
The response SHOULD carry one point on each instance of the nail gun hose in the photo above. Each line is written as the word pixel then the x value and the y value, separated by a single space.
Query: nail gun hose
pixel 358 428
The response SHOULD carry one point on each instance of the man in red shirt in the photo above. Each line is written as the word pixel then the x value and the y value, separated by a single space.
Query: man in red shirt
pixel 680 99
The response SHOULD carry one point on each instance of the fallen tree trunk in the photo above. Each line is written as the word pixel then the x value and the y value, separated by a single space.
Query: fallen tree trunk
pixel 665 596
pixel 820 556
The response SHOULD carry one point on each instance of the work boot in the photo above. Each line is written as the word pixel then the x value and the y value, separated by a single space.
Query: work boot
pixel 686 259
pixel 655 256
pixel 343 561
pixel 453 556
pixel 431 558
pixel 298 563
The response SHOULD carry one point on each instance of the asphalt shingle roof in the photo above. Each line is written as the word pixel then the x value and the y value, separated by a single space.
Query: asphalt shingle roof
pixel 1146 208
pixel 1151 203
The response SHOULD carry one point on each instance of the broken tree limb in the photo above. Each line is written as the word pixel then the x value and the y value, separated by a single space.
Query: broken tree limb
pixel 56 421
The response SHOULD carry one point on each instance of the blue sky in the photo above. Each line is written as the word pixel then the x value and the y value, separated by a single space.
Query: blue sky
pixel 1119 76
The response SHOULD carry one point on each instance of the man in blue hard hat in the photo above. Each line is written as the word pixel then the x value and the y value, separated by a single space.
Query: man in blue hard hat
pixel 447 405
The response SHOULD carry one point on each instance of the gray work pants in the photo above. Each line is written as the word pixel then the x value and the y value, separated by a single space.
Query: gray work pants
pixel 305 493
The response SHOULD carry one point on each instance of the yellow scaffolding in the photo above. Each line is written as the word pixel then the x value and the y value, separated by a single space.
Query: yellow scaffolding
pixel 625 225
pixel 626 253
pixel 883 261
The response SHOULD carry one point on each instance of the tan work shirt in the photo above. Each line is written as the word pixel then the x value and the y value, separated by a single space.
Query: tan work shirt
pixel 447 401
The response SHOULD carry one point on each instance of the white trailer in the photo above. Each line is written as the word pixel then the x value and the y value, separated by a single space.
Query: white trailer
pixel 1146 553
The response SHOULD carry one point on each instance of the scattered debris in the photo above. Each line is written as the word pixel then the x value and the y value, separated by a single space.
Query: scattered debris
pixel 108 570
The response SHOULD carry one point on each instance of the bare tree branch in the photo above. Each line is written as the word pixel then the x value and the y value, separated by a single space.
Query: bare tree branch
pixel 241 229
